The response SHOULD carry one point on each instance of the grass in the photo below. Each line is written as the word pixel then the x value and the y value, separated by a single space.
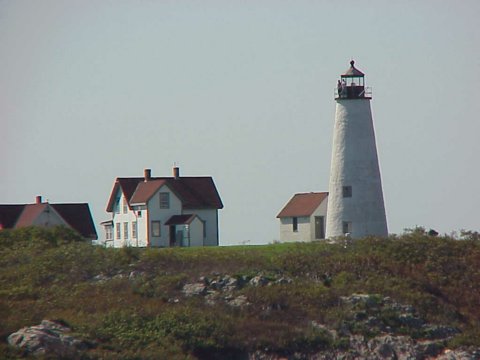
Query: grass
pixel 52 274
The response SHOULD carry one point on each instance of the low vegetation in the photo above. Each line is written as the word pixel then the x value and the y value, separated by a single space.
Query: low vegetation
pixel 128 303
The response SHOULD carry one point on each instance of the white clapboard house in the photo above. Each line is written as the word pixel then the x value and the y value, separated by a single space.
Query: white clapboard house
pixel 163 211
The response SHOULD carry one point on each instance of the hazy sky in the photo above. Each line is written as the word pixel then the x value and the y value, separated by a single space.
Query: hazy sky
pixel 241 91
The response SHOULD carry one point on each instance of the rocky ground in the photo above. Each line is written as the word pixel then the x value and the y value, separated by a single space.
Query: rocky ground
pixel 367 312
pixel 396 331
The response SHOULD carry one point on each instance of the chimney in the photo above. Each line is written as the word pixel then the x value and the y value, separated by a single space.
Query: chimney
pixel 38 199
pixel 176 172
pixel 147 173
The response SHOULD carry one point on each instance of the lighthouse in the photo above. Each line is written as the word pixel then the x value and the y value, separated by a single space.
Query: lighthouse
pixel 355 201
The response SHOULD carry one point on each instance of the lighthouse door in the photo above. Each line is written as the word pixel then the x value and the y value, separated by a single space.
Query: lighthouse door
pixel 319 227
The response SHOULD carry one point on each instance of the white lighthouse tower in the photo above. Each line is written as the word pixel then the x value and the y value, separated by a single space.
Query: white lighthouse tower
pixel 355 200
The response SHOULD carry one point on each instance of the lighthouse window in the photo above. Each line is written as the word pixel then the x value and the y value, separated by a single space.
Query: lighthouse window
pixel 347 191
pixel 346 227
pixel 295 224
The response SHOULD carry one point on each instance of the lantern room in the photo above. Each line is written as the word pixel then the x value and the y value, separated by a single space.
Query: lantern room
pixel 352 85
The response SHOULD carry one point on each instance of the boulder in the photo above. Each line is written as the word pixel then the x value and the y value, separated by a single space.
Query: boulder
pixel 259 280
pixel 459 354
pixel 48 338
pixel 239 301
pixel 194 289
pixel 392 347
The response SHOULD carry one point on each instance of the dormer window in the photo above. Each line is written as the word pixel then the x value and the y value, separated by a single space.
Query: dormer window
pixel 164 200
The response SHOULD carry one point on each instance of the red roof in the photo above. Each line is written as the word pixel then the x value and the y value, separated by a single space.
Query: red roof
pixel 303 204
pixel 145 190
pixel 78 216
pixel 194 192
pixel 29 214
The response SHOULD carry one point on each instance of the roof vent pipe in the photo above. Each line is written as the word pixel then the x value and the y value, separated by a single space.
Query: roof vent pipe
pixel 38 199
pixel 176 172
pixel 147 173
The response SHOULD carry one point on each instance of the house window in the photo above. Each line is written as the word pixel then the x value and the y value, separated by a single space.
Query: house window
pixel 117 205
pixel 125 206
pixel 347 227
pixel 119 231
pixel 125 230
pixel 108 233
pixel 164 200
pixel 347 191
pixel 139 213
pixel 156 228
pixel 134 229
pixel 295 224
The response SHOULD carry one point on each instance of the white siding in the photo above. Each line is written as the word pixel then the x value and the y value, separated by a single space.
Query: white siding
pixel 196 232
pixel 303 229
pixel 141 218
pixel 162 215
pixel 210 217
pixel 122 218
pixel 321 210
pixel 130 217
pixel 49 217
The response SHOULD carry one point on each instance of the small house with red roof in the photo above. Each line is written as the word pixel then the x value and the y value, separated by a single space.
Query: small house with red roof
pixel 76 216
pixel 303 217
pixel 163 211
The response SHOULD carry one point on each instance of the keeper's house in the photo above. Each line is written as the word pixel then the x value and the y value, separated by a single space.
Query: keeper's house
pixel 163 211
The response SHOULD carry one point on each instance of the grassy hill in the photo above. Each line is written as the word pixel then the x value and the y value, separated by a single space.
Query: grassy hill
pixel 131 303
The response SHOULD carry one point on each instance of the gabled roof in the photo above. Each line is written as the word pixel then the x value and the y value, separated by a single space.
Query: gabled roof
pixel 181 219
pixel 303 204
pixel 194 192
pixel 78 216
pixel 145 190
pixel 29 214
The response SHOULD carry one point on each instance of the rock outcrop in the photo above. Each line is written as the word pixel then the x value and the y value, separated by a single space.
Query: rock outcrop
pixel 395 331
pixel 368 312
pixel 222 287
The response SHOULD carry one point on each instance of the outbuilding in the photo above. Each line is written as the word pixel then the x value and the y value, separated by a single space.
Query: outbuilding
pixel 303 217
